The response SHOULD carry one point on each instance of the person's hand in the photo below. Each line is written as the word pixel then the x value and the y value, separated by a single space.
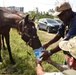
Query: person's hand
pixel 37 61
pixel 45 55
pixel 39 70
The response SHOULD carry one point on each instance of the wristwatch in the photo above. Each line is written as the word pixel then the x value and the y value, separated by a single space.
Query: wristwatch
pixel 50 53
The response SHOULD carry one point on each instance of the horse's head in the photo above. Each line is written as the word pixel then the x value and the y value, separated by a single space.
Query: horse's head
pixel 29 32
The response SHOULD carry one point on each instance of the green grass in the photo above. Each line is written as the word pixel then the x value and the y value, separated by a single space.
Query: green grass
pixel 24 56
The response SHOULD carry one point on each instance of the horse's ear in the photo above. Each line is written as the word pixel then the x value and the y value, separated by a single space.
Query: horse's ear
pixel 27 18
pixel 33 19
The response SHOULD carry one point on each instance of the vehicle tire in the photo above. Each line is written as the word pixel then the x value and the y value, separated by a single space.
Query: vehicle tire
pixel 48 29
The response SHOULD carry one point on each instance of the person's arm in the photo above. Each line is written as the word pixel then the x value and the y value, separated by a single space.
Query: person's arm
pixel 57 65
pixel 56 49
pixel 39 70
pixel 53 40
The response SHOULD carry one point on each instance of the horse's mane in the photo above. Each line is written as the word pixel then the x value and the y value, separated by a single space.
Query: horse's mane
pixel 5 9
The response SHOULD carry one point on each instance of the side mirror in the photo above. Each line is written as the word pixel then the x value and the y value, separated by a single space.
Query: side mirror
pixel 45 22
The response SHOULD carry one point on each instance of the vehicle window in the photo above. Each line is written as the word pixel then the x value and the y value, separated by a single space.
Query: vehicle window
pixel 44 20
pixel 51 21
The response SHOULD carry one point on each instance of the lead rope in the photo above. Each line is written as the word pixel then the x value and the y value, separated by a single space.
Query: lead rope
pixel 22 28
pixel 22 25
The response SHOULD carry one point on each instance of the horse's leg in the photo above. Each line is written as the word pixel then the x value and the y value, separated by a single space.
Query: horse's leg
pixel 7 38
pixel 4 47
pixel 0 50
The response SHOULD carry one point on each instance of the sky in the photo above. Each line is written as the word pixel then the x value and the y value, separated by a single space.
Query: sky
pixel 42 5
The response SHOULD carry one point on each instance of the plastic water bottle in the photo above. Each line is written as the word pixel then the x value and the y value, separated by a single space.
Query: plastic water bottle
pixel 38 52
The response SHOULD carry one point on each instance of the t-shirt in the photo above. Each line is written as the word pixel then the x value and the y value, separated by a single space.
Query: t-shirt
pixel 65 72
pixel 72 30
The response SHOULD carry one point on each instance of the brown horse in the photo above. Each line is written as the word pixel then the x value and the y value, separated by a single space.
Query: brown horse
pixel 9 19
pixel 2 43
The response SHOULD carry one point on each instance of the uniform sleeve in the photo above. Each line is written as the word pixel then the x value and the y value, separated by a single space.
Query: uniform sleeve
pixel 72 30
pixel 53 73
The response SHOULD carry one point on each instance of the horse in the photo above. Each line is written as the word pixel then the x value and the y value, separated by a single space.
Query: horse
pixel 8 20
